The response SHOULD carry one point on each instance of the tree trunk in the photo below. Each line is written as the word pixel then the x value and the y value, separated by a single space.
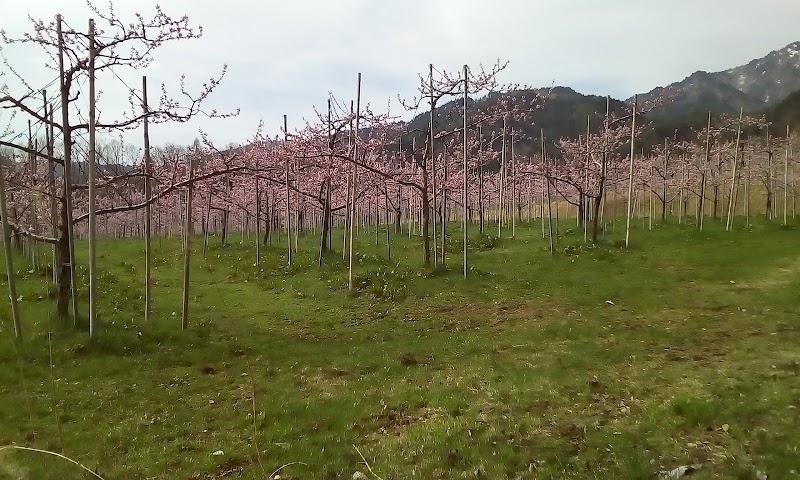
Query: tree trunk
pixel 6 232
pixel 630 175
pixel 224 232
pixel 258 223
pixel 398 216
pixel 62 304
pixel 148 214
pixel 599 200
pixel 187 244
pixel 426 241
pixel 66 284
pixel 596 202
pixel 326 219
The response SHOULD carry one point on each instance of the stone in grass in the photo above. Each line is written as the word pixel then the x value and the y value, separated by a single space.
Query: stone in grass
pixel 359 476
pixel 680 472
pixel 761 475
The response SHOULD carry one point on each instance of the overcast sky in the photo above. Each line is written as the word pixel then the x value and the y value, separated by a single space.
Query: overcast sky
pixel 285 56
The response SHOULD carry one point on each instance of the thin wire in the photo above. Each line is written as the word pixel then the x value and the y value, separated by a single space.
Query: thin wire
pixel 74 31
pixel 30 95
pixel 16 136
pixel 50 83
pixel 35 133
pixel 47 85
pixel 132 90
pixel 24 131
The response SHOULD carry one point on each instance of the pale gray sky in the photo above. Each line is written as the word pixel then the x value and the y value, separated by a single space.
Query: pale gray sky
pixel 285 56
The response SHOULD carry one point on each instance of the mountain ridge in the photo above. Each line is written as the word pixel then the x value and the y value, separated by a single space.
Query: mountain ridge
pixel 757 87
pixel 754 86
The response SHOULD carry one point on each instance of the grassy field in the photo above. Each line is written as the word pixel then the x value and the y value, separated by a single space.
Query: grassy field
pixel 593 363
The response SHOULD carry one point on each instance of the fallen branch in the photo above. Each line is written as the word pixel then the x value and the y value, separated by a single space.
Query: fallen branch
pixel 367 464
pixel 272 475
pixel 47 452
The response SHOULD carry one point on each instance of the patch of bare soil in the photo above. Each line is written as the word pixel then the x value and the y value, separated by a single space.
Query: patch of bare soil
pixel 232 468
pixel 575 434
pixel 397 421
pixel 477 316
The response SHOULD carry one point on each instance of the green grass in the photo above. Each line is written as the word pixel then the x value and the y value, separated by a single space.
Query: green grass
pixel 522 371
